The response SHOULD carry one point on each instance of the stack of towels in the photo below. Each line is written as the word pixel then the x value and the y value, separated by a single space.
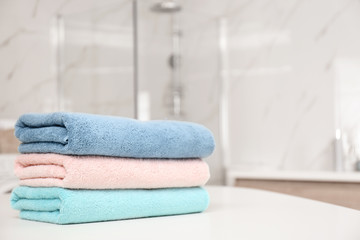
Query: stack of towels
pixel 77 168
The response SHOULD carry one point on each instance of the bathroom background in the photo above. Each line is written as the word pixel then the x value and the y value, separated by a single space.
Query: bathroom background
pixel 278 82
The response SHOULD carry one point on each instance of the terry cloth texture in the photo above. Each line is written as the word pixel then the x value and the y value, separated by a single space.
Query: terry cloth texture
pixel 63 206
pixel 87 134
pixel 95 172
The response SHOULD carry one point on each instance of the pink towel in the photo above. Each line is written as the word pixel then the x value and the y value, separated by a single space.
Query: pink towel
pixel 94 172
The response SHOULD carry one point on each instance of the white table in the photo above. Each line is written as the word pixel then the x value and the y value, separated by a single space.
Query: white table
pixel 234 213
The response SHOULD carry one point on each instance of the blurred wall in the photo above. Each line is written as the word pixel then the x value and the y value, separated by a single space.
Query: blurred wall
pixel 286 60
pixel 291 65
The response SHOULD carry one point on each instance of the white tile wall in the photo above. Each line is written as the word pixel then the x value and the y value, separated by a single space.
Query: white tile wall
pixel 284 64
pixel 285 59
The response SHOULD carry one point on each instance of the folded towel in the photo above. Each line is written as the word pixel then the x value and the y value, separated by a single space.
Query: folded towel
pixel 95 172
pixel 63 206
pixel 86 134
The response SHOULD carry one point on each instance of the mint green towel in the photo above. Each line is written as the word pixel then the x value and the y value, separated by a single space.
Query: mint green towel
pixel 63 206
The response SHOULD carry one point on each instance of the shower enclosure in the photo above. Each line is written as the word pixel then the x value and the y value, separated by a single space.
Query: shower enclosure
pixel 142 59
pixel 133 58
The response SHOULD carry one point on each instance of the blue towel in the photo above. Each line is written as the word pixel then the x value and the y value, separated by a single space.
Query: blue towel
pixel 64 206
pixel 87 134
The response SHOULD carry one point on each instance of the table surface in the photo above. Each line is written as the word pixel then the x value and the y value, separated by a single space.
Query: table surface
pixel 234 213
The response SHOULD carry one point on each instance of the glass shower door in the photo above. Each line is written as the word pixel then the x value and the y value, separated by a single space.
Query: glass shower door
pixel 178 65
pixel 95 60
